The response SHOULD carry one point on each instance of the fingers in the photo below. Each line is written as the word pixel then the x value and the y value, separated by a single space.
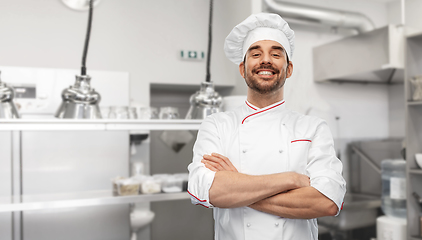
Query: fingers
pixel 218 162
pixel 222 160
pixel 212 165
pixel 209 166
pixel 226 161
pixel 300 180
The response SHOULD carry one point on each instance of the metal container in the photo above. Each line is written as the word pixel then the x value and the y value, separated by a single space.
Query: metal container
pixel 204 102
pixel 359 210
pixel 7 106
pixel 80 101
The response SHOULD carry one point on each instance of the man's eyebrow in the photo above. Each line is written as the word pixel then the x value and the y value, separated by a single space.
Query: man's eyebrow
pixel 254 47
pixel 278 48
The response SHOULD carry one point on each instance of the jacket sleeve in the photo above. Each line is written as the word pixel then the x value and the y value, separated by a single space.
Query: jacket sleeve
pixel 200 177
pixel 324 168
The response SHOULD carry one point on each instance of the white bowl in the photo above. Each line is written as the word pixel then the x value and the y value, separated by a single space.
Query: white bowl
pixel 418 157
pixel 140 219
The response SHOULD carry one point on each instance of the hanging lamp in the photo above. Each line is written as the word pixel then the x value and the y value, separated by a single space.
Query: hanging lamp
pixel 206 101
pixel 8 108
pixel 80 101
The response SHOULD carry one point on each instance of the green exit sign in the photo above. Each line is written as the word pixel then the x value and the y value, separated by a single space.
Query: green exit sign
pixel 192 55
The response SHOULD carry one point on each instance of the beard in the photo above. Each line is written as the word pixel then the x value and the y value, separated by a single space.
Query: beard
pixel 265 86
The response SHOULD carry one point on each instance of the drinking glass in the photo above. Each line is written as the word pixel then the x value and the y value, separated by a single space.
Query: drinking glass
pixel 169 113
pixel 148 113
pixel 132 113
pixel 118 113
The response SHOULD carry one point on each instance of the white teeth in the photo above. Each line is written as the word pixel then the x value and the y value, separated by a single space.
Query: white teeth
pixel 265 73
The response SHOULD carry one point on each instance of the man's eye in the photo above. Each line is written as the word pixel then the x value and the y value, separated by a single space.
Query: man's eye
pixel 255 55
pixel 276 55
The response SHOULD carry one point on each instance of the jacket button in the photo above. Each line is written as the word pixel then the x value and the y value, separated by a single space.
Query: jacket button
pixel 248 225
pixel 280 151
pixel 244 150
pixel 276 224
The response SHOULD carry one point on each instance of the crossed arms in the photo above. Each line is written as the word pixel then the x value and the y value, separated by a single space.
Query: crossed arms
pixel 287 194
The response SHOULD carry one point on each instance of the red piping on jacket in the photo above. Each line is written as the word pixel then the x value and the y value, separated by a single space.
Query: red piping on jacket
pixel 262 111
pixel 250 105
pixel 301 140
pixel 201 205
pixel 197 198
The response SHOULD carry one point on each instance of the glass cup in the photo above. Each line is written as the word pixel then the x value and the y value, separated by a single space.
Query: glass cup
pixel 154 113
pixel 105 112
pixel 148 113
pixel 118 113
pixel 169 113
pixel 132 113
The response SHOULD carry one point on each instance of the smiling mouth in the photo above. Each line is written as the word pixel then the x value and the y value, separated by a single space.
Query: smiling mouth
pixel 265 73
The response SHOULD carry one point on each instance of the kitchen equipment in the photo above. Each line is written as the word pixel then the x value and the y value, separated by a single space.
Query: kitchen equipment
pixel 172 184
pixel 169 113
pixel 79 100
pixel 38 90
pixel 127 186
pixel 148 113
pixel 359 210
pixel 363 197
pixel 206 101
pixel 105 111
pixel 381 48
pixel 80 5
pixel 305 14
pixel 418 157
pixel 132 113
pixel 138 220
pixel 419 201
pixel 118 113
pixel 417 88
pixel 7 106
pixel 390 228
pixel 394 188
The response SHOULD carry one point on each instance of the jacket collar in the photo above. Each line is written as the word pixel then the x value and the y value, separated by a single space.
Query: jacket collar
pixel 252 110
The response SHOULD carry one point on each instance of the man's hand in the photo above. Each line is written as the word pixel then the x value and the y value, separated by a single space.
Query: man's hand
pixel 301 180
pixel 217 162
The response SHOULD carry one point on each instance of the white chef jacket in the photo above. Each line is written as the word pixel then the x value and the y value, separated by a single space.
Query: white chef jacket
pixel 270 140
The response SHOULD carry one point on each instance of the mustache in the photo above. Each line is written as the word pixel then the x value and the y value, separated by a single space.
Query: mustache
pixel 267 67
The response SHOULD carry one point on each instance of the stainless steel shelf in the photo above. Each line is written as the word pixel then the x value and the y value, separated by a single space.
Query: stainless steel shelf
pixel 414 103
pixel 96 125
pixel 82 199
pixel 415 171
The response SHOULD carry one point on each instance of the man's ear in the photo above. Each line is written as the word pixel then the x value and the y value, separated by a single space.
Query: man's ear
pixel 242 69
pixel 289 70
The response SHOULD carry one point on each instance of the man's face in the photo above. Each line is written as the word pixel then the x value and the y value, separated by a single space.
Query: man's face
pixel 265 68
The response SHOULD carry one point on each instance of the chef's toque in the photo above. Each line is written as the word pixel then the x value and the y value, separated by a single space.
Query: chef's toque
pixel 257 27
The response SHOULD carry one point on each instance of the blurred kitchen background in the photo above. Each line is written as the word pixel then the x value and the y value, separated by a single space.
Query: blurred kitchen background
pixel 353 67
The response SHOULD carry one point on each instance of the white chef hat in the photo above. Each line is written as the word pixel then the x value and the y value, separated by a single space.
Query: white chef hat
pixel 257 27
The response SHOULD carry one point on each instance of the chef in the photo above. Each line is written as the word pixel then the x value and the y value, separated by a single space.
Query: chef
pixel 266 171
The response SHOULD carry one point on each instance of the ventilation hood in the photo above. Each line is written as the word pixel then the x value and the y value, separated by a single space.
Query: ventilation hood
pixel 375 56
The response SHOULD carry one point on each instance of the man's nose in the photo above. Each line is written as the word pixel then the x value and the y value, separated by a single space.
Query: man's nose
pixel 266 59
